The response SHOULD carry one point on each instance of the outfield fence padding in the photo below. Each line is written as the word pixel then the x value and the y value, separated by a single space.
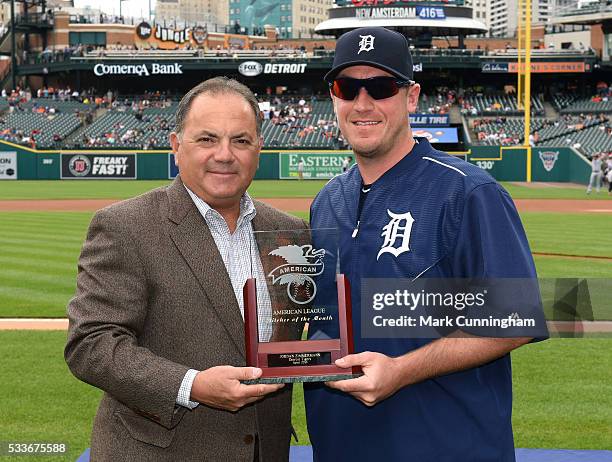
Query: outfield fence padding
pixel 503 163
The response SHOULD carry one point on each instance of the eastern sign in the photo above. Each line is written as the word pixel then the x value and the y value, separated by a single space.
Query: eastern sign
pixel 316 166
pixel 99 166
pixel 138 69
pixel 8 165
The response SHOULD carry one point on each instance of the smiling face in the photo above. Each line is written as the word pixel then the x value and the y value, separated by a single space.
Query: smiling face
pixel 376 128
pixel 218 151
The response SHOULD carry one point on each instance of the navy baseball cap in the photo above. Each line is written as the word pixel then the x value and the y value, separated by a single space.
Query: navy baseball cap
pixel 373 46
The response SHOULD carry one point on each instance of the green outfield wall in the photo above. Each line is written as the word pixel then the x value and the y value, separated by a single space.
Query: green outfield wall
pixel 503 163
pixel 547 164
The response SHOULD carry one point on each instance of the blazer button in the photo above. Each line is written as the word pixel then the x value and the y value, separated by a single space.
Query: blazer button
pixel 248 439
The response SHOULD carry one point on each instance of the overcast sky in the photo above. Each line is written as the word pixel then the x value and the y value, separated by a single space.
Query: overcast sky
pixel 129 8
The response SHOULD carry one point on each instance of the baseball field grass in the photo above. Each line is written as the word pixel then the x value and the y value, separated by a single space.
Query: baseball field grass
pixel 562 387
pixel 39 251
pixel 562 394
pixel 122 189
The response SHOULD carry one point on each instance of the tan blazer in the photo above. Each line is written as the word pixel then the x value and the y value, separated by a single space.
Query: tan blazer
pixel 154 299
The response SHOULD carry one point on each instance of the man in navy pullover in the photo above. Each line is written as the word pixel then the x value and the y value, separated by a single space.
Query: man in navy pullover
pixel 406 210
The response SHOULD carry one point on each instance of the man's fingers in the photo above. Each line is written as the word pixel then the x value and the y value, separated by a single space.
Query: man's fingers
pixel 246 373
pixel 358 359
pixel 350 385
pixel 259 390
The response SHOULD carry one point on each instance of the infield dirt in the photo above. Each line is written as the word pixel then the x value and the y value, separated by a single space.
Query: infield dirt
pixel 300 204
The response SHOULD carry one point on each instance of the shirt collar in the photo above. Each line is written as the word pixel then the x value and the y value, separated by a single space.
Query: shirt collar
pixel 247 207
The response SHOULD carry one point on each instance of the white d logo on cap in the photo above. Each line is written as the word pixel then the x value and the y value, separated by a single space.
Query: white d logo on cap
pixel 366 43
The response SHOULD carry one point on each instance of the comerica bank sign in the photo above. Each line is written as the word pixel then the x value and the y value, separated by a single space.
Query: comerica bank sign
pixel 137 69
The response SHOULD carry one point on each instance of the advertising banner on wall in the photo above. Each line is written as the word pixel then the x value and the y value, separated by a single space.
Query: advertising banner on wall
pixel 168 38
pixel 98 166
pixel 428 120
pixel 552 67
pixel 437 135
pixel 8 165
pixel 320 166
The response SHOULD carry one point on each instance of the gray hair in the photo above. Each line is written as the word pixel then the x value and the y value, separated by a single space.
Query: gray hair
pixel 216 86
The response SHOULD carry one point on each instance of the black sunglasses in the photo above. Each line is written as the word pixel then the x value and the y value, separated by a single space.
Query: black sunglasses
pixel 377 87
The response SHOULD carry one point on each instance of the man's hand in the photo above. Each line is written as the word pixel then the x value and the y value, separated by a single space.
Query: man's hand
pixel 220 387
pixel 381 377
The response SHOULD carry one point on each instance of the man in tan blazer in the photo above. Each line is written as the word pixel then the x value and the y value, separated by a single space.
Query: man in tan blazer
pixel 157 320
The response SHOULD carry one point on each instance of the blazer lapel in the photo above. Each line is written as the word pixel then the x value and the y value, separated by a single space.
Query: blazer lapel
pixel 194 241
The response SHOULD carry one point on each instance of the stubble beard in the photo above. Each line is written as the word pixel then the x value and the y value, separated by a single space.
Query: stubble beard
pixel 381 149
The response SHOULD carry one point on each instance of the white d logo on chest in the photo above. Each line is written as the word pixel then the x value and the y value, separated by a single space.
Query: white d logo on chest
pixel 396 234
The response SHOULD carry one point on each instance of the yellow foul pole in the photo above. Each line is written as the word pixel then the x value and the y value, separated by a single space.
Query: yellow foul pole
pixel 520 45
pixel 527 84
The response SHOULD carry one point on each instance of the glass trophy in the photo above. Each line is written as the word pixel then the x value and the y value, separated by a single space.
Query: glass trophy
pixel 298 319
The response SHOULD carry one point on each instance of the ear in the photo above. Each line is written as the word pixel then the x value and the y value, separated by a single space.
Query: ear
pixel 333 98
pixel 175 143
pixel 413 98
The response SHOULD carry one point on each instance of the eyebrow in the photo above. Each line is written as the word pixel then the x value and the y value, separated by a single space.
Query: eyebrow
pixel 205 132
pixel 242 135
pixel 200 133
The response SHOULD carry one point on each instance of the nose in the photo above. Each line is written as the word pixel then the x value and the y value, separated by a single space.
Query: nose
pixel 363 101
pixel 224 153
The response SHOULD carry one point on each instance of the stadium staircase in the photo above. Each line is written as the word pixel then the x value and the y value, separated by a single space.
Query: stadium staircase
pixel 472 134
pixel 549 111
pixel 6 79
pixel 454 115
pixel 75 137
pixel 5 42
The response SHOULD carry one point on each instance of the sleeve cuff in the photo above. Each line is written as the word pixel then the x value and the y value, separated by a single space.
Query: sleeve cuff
pixel 185 390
